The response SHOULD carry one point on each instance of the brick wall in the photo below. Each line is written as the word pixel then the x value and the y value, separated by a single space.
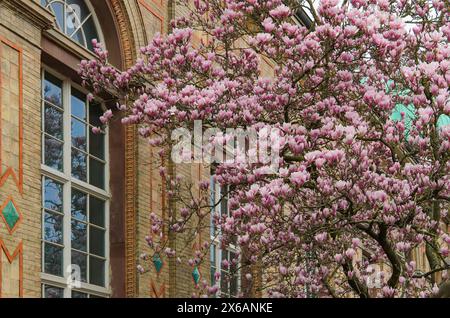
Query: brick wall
pixel 20 188
pixel 174 280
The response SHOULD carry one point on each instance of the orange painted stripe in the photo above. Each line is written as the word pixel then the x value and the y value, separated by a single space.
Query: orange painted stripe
pixel 154 13
pixel 18 179
pixel 11 258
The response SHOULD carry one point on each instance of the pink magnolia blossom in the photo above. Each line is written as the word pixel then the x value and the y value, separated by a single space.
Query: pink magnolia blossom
pixel 359 100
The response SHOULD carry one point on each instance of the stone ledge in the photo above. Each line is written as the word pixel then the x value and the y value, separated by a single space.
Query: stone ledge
pixel 32 11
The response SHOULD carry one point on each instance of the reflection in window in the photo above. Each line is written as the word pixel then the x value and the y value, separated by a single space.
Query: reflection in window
pixel 58 292
pixel 88 232
pixel 53 239
pixel 88 236
pixel 53 292
pixel 53 132
pixel 229 276
pixel 87 155
pixel 74 200
pixel 75 19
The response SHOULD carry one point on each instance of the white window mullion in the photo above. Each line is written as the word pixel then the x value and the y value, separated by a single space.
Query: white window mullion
pixel 66 189
pixel 67 131
pixel 107 249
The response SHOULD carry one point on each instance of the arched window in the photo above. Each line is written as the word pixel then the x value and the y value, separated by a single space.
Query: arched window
pixel 76 19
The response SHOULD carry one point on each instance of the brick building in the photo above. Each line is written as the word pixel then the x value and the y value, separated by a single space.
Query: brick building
pixel 68 196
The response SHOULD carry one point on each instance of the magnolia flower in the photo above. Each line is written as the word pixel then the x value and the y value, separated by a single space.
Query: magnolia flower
pixel 268 25
pixel 283 270
pixel 388 292
pixel 321 237
pixel 444 251
pixel 299 178
pixel 280 12
pixel 350 253
pixel 338 258
pixel 321 98
pixel 225 263
pixel 213 290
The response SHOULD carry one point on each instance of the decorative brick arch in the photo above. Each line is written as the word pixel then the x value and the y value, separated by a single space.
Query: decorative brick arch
pixel 128 47
pixel 127 44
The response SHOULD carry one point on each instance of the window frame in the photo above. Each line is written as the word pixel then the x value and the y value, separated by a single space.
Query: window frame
pixel 92 14
pixel 216 197
pixel 68 182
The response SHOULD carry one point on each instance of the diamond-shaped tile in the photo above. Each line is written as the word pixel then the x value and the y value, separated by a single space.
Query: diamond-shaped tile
pixel 196 275
pixel 158 263
pixel 10 215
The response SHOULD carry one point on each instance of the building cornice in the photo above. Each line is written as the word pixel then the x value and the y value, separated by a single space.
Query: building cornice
pixel 69 45
pixel 32 11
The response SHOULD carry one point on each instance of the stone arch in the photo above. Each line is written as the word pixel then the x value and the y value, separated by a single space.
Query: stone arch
pixel 123 185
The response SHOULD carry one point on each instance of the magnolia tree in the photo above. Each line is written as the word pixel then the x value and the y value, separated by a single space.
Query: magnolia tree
pixel 359 99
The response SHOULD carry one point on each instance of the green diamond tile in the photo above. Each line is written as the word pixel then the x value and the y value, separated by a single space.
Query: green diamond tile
pixel 158 263
pixel 10 215
pixel 196 275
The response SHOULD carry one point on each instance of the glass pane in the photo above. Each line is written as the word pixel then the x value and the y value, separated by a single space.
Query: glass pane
pixel 224 202
pixel 53 259
pixel 97 144
pixel 53 90
pixel 78 37
pixel 91 32
pixel 96 173
pixel 97 211
pixel 80 260
pixel 79 236
pixel 213 255
pixel 96 241
pixel 234 285
pixel 233 259
pixel 79 165
pixel 53 228
pixel 96 271
pixel 79 136
pixel 79 295
pixel 53 292
pixel 79 205
pixel 53 195
pixel 53 153
pixel 53 121
pixel 95 112
pixel 72 19
pixel 78 104
pixel 79 7
pixel 224 283
pixel 213 278
pixel 234 277
pixel 225 256
pixel 58 10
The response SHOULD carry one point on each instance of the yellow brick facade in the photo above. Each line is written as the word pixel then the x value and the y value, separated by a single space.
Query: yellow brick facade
pixel 26 29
